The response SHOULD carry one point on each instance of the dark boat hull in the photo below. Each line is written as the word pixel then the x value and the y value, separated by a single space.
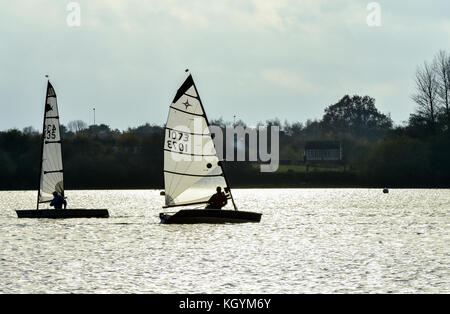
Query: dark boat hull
pixel 63 213
pixel 212 216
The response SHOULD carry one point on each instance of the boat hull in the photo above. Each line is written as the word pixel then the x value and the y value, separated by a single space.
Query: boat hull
pixel 211 216
pixel 63 213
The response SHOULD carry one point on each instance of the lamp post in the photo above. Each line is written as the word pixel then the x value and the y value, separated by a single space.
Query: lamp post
pixel 94 115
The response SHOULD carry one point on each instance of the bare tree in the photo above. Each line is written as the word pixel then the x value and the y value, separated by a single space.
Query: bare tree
pixel 77 126
pixel 441 65
pixel 29 130
pixel 427 93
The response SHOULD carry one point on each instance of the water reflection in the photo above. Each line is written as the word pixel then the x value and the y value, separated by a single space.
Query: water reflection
pixel 309 240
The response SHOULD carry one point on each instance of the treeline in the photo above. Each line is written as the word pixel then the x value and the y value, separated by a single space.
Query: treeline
pixel 375 152
pixel 418 154
pixel 95 157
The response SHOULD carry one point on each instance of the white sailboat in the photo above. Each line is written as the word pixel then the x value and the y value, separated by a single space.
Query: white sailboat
pixel 192 170
pixel 51 176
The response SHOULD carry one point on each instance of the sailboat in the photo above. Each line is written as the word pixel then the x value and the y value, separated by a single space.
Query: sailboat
pixel 51 175
pixel 192 170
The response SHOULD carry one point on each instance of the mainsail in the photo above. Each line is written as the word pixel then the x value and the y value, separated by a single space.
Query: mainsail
pixel 51 176
pixel 192 170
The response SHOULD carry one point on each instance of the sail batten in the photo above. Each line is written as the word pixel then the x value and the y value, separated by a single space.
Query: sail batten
pixel 186 204
pixel 192 170
pixel 189 154
pixel 52 171
pixel 191 96
pixel 187 112
pixel 200 134
pixel 193 175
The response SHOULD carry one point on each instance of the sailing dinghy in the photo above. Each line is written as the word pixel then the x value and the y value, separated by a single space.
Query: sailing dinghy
pixel 192 170
pixel 52 172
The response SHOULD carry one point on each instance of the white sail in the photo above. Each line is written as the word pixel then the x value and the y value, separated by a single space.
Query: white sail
pixel 192 170
pixel 51 178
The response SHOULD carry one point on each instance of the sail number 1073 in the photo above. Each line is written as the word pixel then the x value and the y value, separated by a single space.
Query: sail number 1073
pixel 177 141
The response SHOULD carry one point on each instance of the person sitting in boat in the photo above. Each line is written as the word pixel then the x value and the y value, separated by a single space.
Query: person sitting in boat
pixel 58 201
pixel 218 200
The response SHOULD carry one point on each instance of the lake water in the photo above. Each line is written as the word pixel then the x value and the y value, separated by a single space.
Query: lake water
pixel 308 241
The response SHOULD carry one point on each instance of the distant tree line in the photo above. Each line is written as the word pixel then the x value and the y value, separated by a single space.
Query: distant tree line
pixel 375 152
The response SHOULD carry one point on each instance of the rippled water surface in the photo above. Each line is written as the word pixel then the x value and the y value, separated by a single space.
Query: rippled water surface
pixel 309 240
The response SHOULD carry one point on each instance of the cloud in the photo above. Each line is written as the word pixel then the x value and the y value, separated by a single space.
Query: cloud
pixel 288 80
pixel 134 52
pixel 264 14
pixel 242 14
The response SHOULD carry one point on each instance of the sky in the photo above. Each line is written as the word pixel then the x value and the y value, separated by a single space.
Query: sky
pixel 253 59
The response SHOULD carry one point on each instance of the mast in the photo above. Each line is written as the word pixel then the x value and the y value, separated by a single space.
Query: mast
pixel 220 162
pixel 42 146
pixel 60 143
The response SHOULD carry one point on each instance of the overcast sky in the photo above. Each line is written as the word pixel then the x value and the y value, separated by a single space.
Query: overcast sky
pixel 254 59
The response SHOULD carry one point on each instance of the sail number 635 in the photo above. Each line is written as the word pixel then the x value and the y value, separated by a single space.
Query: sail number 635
pixel 50 132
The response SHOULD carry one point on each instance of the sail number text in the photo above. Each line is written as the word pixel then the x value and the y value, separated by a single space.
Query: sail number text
pixel 177 141
pixel 50 132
